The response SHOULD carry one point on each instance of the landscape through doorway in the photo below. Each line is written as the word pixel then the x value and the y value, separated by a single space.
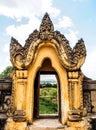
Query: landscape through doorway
pixel 47 92
pixel 48 95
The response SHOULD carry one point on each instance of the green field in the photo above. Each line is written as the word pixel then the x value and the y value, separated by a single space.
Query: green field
pixel 48 101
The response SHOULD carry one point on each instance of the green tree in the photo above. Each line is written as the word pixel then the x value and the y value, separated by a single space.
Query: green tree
pixel 48 85
pixel 6 72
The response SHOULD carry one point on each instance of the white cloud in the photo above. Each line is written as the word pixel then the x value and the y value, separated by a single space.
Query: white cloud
pixel 6 48
pixel 30 9
pixel 21 32
pixel 27 8
pixel 89 67
pixel 2 68
pixel 64 22
pixel 72 37
pixel 4 62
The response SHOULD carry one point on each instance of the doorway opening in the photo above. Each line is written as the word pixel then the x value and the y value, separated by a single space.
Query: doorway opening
pixel 48 95
pixel 47 92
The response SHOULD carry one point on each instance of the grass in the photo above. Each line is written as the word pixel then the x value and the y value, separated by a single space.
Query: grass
pixel 48 101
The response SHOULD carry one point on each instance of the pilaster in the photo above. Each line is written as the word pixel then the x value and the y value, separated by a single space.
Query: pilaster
pixel 75 96
pixel 21 83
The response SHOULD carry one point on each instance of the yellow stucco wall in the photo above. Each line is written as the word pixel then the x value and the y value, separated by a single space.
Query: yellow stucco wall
pixel 47 50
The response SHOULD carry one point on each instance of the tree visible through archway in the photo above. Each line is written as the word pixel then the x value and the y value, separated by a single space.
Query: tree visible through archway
pixel 48 96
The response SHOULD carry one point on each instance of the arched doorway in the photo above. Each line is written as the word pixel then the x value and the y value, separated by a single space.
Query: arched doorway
pixel 47 98
pixel 47 60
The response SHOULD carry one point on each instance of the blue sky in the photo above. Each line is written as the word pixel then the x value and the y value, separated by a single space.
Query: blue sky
pixel 74 18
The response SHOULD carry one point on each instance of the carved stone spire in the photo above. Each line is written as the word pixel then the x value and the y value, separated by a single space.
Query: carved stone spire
pixel 14 46
pixel 79 50
pixel 72 59
pixel 46 28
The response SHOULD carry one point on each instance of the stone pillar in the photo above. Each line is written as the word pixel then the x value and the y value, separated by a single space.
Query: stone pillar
pixel 75 95
pixel 74 90
pixel 17 120
pixel 76 112
pixel 21 84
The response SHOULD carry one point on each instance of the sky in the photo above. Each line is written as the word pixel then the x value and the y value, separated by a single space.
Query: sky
pixel 75 19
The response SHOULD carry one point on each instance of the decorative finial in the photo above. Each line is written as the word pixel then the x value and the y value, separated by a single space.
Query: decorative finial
pixel 46 28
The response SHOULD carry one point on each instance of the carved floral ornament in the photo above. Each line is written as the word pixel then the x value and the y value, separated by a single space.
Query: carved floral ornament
pixel 71 59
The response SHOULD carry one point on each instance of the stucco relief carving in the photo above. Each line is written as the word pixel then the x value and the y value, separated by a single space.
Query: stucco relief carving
pixel 72 59
pixel 46 28
pixel 65 61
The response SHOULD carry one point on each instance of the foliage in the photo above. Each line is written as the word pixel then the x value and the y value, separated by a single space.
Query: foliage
pixel 48 101
pixel 48 85
pixel 6 72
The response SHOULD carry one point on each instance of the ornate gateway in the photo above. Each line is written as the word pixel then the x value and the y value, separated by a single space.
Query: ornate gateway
pixel 47 50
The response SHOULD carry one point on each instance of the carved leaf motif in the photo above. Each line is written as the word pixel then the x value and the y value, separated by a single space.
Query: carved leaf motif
pixel 79 51
pixel 14 46
pixel 64 49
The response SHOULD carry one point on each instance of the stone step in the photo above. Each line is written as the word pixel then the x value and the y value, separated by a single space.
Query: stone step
pixel 46 124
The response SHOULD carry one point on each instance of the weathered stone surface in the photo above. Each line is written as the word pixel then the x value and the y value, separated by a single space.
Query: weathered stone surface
pixel 51 46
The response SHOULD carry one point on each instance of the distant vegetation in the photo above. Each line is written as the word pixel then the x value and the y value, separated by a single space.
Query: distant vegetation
pixel 6 72
pixel 48 100
pixel 48 84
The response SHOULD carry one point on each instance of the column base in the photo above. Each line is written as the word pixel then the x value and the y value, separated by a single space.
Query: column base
pixel 12 125
pixel 80 125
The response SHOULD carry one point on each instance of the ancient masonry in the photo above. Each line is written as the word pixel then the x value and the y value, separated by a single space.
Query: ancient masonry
pixel 47 50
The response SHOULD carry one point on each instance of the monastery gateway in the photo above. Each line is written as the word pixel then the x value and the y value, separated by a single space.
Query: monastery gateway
pixel 47 52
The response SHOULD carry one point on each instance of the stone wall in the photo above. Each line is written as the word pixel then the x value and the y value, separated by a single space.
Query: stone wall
pixel 93 99
pixel 5 100
pixel 89 94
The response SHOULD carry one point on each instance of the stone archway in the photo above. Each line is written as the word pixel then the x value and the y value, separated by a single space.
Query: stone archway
pixel 48 51
pixel 27 61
